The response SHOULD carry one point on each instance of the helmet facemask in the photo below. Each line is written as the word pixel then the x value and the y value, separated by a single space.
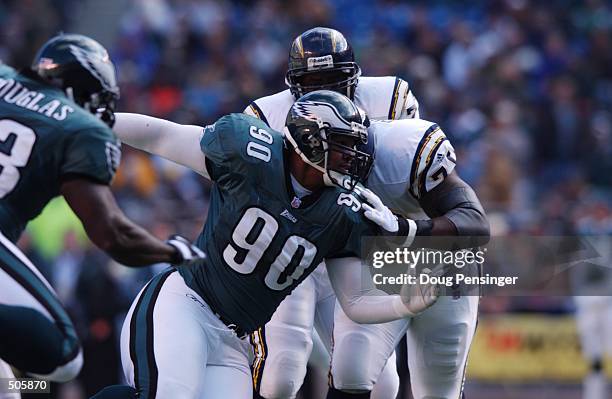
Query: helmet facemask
pixel 342 79
pixel 332 150
pixel 350 165
pixel 102 104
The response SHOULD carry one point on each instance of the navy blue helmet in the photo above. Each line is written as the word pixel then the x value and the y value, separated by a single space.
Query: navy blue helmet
pixel 322 59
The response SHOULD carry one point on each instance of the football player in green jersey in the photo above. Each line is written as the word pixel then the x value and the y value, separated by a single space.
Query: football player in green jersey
pixel 277 210
pixel 52 143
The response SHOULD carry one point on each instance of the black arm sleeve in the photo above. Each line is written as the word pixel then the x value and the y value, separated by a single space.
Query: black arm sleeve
pixel 455 200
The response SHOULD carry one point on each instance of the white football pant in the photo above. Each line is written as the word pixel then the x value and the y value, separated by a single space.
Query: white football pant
pixel 174 347
pixel 283 347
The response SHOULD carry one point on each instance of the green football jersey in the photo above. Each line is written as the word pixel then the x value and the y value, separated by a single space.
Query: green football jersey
pixel 45 138
pixel 262 241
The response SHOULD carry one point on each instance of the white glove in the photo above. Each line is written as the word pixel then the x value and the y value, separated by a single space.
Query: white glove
pixel 378 212
pixel 186 252
pixel 418 297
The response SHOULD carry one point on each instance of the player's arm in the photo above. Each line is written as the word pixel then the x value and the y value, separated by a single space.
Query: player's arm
pixel 175 142
pixel 88 165
pixel 364 303
pixel 454 209
pixel 109 228
pixel 450 202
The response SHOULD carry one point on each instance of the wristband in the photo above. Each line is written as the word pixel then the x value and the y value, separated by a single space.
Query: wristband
pixel 411 228
pixel 407 228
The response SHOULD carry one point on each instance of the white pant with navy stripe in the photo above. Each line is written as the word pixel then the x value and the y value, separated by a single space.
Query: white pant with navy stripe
pixel 438 342
pixel 174 347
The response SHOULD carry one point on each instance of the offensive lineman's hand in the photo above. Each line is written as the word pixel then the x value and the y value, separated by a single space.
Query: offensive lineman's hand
pixel 186 252
pixel 418 297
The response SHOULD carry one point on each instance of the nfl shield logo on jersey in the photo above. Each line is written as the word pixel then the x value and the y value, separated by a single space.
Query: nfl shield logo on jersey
pixel 296 202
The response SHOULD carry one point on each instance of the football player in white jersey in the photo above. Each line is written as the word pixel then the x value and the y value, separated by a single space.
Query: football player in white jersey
pixel 320 58
pixel 414 175
pixel 361 366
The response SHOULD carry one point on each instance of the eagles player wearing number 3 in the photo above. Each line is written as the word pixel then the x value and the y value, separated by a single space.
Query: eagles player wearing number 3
pixel 277 210
pixel 413 173
pixel 55 138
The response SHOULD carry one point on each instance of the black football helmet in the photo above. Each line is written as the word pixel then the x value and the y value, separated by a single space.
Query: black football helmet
pixel 82 68
pixel 323 122
pixel 322 59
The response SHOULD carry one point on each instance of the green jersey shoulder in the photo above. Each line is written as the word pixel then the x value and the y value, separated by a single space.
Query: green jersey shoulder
pixel 240 145
pixel 45 138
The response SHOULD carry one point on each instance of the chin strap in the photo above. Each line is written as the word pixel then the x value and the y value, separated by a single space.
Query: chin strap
pixel 333 178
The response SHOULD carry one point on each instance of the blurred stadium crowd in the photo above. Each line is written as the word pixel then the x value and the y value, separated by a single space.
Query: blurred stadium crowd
pixel 523 89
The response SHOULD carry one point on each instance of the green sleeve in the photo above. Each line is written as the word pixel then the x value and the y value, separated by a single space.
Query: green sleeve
pixel 94 152
pixel 355 227
pixel 354 241
pixel 229 148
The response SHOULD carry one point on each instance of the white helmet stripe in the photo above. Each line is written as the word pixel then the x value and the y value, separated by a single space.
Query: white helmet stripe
pixel 318 111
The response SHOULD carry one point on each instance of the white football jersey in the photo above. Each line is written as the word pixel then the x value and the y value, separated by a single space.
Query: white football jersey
pixel 412 157
pixel 384 97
